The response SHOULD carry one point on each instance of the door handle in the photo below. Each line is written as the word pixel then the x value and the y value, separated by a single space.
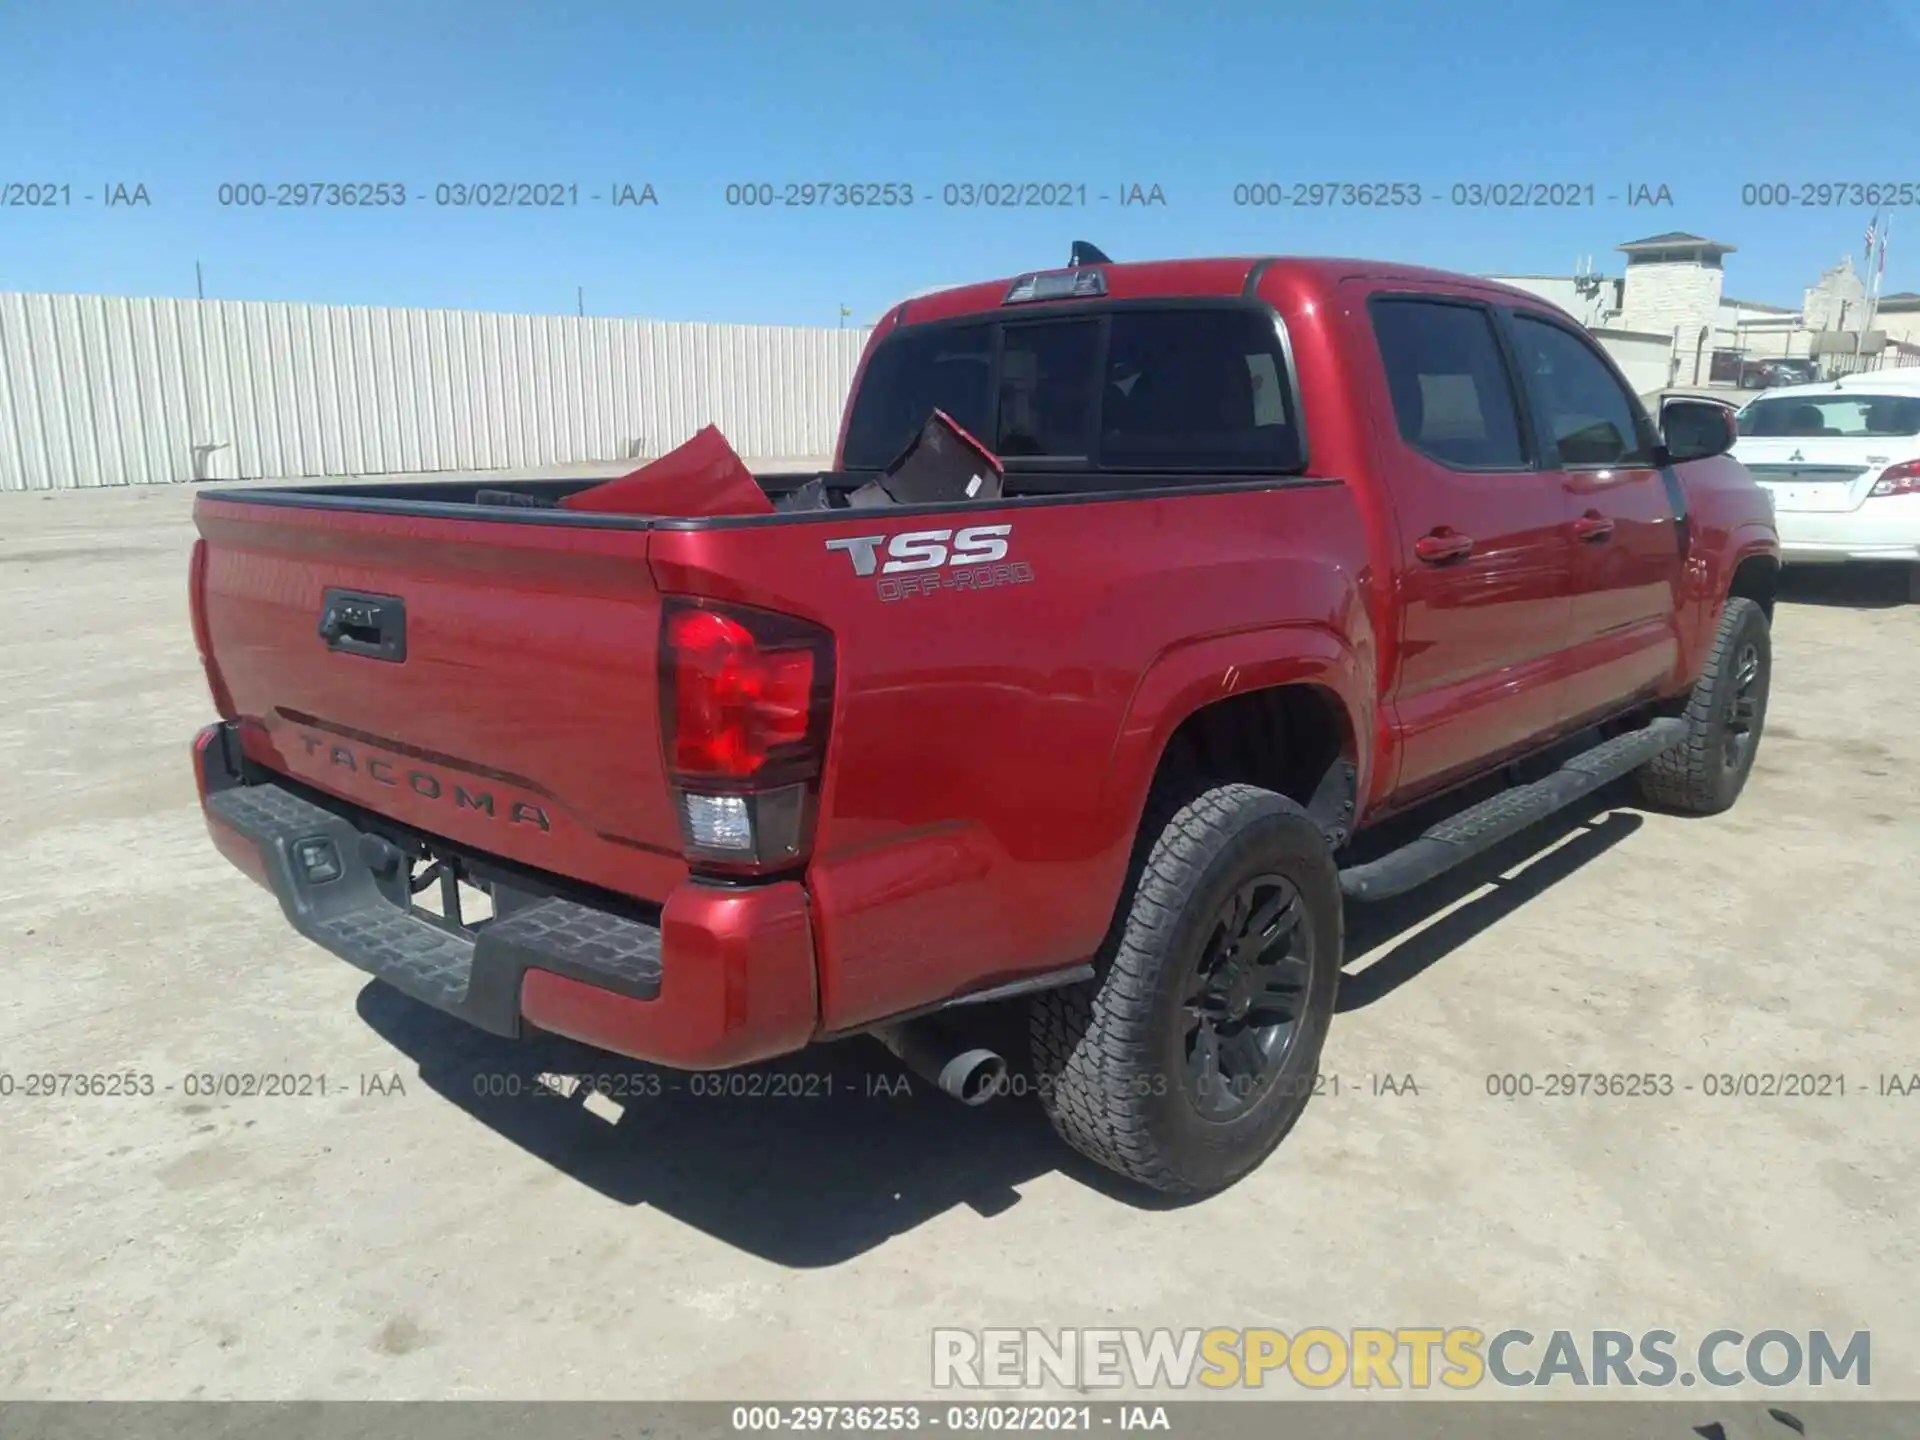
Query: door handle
pixel 1593 527
pixel 1443 545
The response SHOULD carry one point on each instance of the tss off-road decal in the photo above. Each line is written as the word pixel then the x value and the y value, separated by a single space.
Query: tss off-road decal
pixel 925 562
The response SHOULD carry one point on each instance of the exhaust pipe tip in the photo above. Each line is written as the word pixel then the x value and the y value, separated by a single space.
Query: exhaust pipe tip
pixel 974 1077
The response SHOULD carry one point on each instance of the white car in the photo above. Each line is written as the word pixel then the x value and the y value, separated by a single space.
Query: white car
pixel 1841 460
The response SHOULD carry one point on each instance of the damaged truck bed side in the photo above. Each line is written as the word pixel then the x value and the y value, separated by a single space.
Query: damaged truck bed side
pixel 1274 550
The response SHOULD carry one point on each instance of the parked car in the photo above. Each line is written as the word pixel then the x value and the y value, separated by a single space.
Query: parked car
pixel 1286 548
pixel 1765 374
pixel 1841 461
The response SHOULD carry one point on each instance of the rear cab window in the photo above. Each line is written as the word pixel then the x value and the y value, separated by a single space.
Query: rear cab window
pixel 1129 387
pixel 946 367
pixel 1046 395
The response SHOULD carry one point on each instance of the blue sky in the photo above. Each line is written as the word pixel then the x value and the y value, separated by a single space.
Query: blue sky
pixel 1194 98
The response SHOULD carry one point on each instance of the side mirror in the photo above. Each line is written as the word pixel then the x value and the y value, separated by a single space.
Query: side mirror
pixel 1697 429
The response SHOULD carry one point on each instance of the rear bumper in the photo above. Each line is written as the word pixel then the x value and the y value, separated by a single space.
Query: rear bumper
pixel 719 977
pixel 1884 529
pixel 1814 552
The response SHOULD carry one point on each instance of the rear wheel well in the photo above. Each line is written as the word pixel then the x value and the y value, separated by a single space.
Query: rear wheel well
pixel 1757 578
pixel 1292 739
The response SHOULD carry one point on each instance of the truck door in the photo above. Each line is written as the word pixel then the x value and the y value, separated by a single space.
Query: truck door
pixel 1597 446
pixel 1484 539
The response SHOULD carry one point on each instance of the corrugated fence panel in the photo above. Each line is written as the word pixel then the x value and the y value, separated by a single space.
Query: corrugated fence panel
pixel 108 390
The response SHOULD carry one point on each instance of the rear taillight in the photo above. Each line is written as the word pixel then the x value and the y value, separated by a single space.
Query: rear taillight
pixel 1901 479
pixel 745 698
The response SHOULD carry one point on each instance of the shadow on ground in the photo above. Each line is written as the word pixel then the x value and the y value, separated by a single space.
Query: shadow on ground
pixel 1385 946
pixel 817 1158
pixel 806 1161
pixel 1872 586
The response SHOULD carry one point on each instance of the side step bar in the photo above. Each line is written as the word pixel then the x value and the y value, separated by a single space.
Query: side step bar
pixel 1462 836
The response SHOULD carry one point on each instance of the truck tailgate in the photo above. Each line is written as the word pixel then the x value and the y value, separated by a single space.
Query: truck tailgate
pixel 521 719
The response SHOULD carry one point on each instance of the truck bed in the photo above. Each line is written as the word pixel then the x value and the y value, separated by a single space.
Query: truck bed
pixel 469 498
pixel 464 497
pixel 524 722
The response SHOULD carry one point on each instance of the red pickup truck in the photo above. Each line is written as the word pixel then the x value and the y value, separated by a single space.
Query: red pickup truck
pixel 1284 548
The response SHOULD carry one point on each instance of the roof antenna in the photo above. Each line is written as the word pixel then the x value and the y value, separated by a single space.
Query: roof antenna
pixel 1085 253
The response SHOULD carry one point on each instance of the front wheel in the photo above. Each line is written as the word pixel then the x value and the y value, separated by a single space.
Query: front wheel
pixel 1724 717
pixel 1193 1052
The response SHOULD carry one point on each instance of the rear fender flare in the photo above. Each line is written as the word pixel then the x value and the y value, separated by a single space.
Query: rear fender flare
pixel 1198 673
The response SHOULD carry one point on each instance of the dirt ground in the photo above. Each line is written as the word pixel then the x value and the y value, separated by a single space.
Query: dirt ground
pixel 409 1233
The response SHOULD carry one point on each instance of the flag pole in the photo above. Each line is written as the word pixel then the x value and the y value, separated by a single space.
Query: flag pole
pixel 1880 270
pixel 1878 248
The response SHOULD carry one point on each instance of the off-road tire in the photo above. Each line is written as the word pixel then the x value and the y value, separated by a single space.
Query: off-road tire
pixel 1108 1052
pixel 1697 777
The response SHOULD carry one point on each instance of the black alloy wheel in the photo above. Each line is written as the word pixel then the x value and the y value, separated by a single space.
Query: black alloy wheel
pixel 1743 710
pixel 1245 996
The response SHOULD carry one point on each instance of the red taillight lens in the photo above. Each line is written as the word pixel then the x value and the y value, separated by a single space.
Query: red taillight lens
pixel 745 699
pixel 1901 479
pixel 734 700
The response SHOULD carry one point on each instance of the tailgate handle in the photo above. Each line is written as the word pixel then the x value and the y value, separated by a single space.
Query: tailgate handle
pixel 370 625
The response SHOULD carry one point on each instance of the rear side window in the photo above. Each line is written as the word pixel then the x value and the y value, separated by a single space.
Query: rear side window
pixel 1452 399
pixel 912 374
pixel 1582 407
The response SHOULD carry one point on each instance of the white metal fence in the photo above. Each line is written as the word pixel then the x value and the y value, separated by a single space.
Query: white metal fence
pixel 106 390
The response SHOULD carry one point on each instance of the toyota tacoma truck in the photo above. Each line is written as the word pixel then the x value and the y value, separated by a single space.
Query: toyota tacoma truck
pixel 1288 555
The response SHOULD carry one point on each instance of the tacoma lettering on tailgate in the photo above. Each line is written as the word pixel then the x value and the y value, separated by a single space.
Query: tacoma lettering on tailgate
pixel 397 775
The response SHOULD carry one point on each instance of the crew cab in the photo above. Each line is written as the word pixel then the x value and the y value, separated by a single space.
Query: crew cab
pixel 1285 548
pixel 1841 461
